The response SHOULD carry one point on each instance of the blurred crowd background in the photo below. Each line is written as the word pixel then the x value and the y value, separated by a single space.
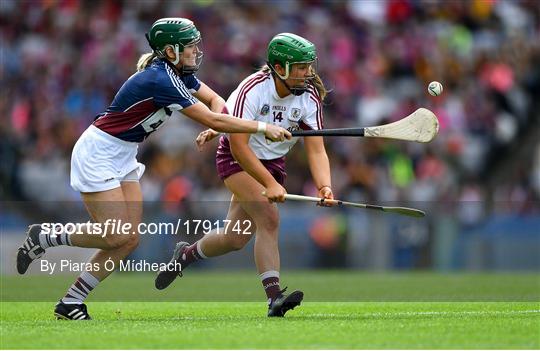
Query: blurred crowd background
pixel 62 62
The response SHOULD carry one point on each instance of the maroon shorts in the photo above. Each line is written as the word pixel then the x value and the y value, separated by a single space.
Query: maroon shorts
pixel 226 164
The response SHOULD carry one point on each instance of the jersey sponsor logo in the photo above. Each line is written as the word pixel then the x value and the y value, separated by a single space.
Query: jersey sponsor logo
pixel 156 119
pixel 265 109
pixel 295 115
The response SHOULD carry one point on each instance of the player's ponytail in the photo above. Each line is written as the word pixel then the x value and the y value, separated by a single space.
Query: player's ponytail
pixel 319 85
pixel 145 60
pixel 265 69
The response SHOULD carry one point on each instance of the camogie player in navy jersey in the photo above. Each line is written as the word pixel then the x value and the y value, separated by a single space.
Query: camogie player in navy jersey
pixel 104 167
pixel 288 93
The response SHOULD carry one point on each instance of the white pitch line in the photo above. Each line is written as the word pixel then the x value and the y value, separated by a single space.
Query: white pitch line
pixel 428 313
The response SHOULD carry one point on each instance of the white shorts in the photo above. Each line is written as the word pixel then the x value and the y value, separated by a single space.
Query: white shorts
pixel 100 161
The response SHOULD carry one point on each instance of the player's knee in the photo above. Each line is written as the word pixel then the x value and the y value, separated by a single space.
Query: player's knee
pixel 239 242
pixel 117 241
pixel 131 243
pixel 112 242
pixel 270 223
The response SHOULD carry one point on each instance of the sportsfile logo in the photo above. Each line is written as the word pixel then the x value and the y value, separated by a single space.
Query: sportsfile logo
pixel 181 226
pixel 110 226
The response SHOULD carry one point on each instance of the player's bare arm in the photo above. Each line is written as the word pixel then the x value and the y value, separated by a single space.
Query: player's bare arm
pixel 253 166
pixel 319 166
pixel 225 123
pixel 210 98
pixel 216 103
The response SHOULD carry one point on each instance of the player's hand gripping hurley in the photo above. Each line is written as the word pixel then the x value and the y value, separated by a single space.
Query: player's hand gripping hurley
pixel 421 126
pixel 406 211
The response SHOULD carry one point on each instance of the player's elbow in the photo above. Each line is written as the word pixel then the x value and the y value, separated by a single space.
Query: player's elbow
pixel 217 100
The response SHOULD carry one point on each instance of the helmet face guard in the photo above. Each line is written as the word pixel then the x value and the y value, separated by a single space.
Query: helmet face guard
pixel 297 89
pixel 177 33
pixel 195 68
pixel 179 52
pixel 289 49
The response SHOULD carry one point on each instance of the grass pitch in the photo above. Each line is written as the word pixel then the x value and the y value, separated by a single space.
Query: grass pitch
pixel 343 322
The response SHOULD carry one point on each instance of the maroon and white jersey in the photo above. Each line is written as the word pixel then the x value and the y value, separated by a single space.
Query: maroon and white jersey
pixel 256 99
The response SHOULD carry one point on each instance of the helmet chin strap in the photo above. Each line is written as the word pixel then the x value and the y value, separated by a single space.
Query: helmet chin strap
pixel 177 53
pixel 293 90
pixel 185 69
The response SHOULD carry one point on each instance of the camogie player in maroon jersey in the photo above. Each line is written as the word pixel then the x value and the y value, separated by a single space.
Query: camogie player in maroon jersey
pixel 288 93
pixel 104 167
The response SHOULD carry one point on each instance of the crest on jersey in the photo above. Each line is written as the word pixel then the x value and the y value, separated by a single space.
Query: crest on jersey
pixel 265 109
pixel 296 113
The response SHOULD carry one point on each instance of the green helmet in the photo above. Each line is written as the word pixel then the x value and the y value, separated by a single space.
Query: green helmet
pixel 177 32
pixel 288 49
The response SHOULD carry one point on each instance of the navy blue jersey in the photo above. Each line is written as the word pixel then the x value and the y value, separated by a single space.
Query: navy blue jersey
pixel 146 100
